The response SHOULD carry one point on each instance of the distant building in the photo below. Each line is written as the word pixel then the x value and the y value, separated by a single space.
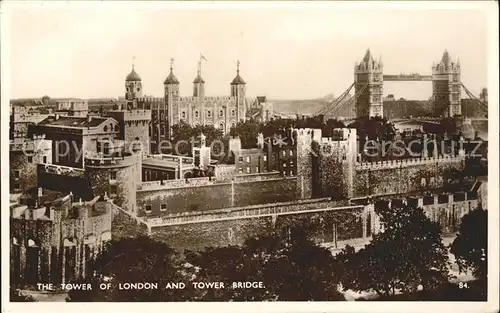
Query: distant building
pixel 73 107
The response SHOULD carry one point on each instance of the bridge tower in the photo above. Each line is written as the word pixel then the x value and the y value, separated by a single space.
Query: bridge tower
pixel 446 87
pixel 369 81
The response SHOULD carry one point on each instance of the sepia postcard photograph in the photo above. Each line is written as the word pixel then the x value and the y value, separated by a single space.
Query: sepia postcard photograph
pixel 314 156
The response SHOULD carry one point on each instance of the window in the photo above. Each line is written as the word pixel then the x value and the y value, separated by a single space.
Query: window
pixel 112 175
pixel 257 170
pixel 16 173
pixel 17 186
pixel 240 170
pixel 44 159
pixel 30 159
pixel 291 152
pixel 221 113
pixel 147 209
pixel 183 114
pixel 248 159
pixel 163 207
pixel 221 126
pixel 112 189
pixel 105 128
pixel 240 159
pixel 284 164
pixel 291 173
pixel 248 169
pixel 233 112
pixel 265 158
pixel 196 114
pixel 209 113
pixel 284 153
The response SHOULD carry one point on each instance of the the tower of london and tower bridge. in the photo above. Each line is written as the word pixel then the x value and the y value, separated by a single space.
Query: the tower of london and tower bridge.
pixel 368 100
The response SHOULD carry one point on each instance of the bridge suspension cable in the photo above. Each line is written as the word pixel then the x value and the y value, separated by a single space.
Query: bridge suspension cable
pixel 335 101
pixel 340 103
pixel 471 95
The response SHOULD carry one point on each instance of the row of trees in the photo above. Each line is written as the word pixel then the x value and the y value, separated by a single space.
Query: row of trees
pixel 408 256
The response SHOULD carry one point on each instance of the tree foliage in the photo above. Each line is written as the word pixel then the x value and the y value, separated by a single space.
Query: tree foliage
pixel 374 128
pixel 291 269
pixel 470 247
pixel 136 260
pixel 408 253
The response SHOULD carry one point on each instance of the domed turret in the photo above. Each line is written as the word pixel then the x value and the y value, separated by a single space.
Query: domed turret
pixel 171 79
pixel 133 76
pixel 238 80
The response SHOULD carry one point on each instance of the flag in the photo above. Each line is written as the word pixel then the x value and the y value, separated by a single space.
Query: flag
pixel 202 57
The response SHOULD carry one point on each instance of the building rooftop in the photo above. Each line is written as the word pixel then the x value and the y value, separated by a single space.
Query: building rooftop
pixel 73 121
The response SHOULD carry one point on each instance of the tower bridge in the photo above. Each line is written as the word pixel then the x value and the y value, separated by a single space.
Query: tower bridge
pixel 368 87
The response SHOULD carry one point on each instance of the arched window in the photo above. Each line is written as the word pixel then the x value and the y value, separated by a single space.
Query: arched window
pixel 105 128
pixel 233 125
pixel 183 114
pixel 221 125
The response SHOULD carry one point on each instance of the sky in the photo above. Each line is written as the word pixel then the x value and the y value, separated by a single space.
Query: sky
pixel 286 52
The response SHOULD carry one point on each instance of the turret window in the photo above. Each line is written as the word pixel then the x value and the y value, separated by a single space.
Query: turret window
pixel 221 125
pixel 183 114
pixel 221 113
pixel 196 114
pixel 233 112
pixel 209 113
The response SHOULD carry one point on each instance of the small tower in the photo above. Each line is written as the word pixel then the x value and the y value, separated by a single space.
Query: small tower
pixel 446 87
pixel 199 82
pixel 238 91
pixel 133 86
pixel 201 153
pixel 170 114
pixel 369 81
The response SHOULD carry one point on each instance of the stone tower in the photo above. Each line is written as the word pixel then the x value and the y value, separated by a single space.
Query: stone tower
pixel 199 84
pixel 446 87
pixel 238 91
pixel 171 88
pixel 368 78
pixel 133 87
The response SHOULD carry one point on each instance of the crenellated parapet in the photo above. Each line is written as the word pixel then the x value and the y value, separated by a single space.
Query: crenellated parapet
pixel 98 160
pixel 61 170
pixel 388 164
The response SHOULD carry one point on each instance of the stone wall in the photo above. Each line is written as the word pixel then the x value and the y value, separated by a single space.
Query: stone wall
pixel 321 220
pixel 402 176
pixel 54 244
pixel 23 174
pixel 216 196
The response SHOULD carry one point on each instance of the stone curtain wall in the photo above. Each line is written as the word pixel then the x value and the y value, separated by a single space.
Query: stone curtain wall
pixel 402 177
pixel 18 161
pixel 125 225
pixel 323 226
pixel 48 259
pixel 216 196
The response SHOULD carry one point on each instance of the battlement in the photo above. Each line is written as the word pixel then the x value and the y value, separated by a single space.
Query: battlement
pixel 177 183
pixel 98 160
pixel 131 115
pixel 270 209
pixel 407 162
pixel 309 134
pixel 421 201
pixel 212 98
pixel 61 170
